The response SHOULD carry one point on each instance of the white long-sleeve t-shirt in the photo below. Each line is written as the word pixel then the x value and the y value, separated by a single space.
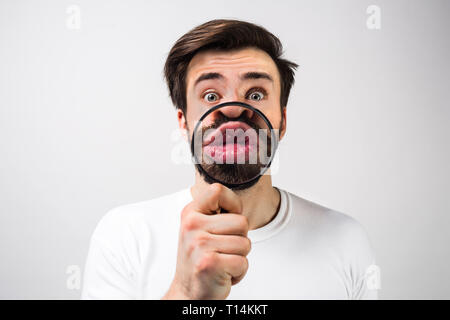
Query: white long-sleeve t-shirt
pixel 306 252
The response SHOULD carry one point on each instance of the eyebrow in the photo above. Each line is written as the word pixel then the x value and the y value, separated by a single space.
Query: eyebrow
pixel 256 75
pixel 246 76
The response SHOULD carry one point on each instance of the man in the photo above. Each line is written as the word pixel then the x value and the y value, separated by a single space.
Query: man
pixel 270 244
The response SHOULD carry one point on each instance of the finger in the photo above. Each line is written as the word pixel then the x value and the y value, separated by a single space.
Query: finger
pixel 226 224
pixel 235 265
pixel 215 197
pixel 237 245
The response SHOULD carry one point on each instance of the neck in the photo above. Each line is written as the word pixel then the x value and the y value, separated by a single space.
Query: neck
pixel 260 202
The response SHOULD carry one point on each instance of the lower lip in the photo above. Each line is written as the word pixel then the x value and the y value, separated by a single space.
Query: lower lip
pixel 235 152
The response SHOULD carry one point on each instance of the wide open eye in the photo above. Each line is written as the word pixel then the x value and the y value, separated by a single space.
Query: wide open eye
pixel 211 97
pixel 256 94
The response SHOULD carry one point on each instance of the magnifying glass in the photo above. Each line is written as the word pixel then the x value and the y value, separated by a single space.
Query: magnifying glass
pixel 233 143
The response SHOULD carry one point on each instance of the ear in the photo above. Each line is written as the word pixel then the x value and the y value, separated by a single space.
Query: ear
pixel 283 123
pixel 182 124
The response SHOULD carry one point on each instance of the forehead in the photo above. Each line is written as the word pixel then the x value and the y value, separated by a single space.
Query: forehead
pixel 231 63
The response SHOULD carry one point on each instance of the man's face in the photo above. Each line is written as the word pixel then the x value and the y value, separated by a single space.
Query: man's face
pixel 247 75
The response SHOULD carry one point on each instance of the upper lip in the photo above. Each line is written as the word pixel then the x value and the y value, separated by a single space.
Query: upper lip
pixel 233 125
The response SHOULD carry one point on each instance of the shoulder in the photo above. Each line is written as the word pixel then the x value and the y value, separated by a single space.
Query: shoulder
pixel 121 246
pixel 338 232
pixel 344 240
pixel 331 223
pixel 136 219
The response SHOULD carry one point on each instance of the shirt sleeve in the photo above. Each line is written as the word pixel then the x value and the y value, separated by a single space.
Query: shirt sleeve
pixel 115 258
pixel 106 275
pixel 365 273
pixel 368 284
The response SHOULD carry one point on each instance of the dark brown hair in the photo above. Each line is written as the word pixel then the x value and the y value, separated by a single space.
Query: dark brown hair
pixel 223 35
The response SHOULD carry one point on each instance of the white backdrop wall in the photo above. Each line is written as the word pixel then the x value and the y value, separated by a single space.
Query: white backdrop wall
pixel 86 125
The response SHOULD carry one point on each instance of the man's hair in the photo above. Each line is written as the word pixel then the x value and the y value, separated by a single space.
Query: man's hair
pixel 222 34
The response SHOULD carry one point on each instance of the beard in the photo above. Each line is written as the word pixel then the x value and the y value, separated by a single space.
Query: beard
pixel 237 176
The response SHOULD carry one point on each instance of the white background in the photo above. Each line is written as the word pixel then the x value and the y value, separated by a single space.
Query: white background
pixel 86 125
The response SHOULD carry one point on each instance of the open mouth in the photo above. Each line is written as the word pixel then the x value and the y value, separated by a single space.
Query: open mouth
pixel 232 142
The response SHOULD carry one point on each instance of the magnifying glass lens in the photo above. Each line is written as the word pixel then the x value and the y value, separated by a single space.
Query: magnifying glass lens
pixel 233 144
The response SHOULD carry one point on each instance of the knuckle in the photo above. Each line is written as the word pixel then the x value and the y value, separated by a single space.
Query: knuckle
pixel 196 243
pixel 216 188
pixel 190 222
pixel 186 211
pixel 200 241
pixel 206 263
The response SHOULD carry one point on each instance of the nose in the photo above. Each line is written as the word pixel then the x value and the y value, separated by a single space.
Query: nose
pixel 235 111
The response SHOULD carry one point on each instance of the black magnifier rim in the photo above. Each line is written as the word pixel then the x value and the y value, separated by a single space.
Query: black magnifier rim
pixel 258 112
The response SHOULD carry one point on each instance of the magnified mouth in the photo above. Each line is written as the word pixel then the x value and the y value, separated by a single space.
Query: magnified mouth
pixel 233 151
pixel 231 142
